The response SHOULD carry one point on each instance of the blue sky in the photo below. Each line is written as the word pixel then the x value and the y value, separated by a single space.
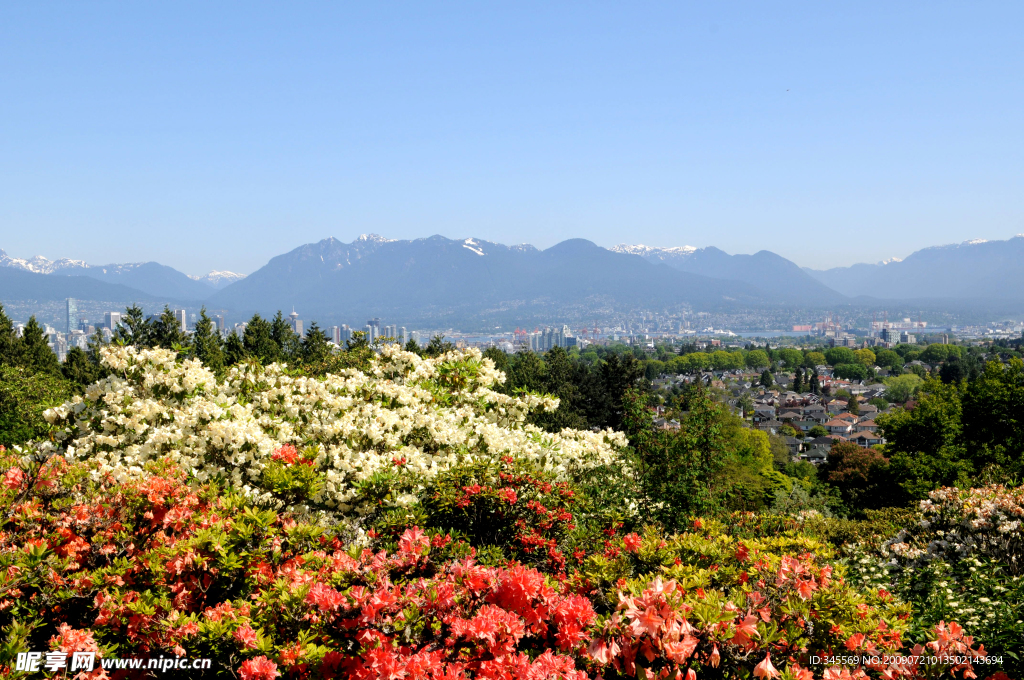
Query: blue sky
pixel 217 135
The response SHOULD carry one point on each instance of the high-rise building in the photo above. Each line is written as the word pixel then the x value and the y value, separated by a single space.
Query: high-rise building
pixel 404 336
pixel 111 320
pixel 369 329
pixel 346 334
pixel 72 315
pixel 296 322
pixel 180 316
pixel 336 335
pixel 218 321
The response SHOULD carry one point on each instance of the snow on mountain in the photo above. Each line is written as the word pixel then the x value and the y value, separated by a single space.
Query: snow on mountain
pixel 653 252
pixel 219 279
pixel 39 264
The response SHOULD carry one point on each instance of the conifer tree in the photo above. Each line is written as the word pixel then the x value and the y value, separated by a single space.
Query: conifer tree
pixel 10 343
pixel 206 343
pixel 288 341
pixel 37 354
pixel 234 349
pixel 258 341
pixel 79 369
pixel 316 345
pixel 167 331
pixel 135 328
pixel 798 380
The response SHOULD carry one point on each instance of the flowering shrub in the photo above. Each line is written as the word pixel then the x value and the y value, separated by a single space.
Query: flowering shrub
pixel 957 523
pixel 345 429
pixel 153 566
pixel 507 509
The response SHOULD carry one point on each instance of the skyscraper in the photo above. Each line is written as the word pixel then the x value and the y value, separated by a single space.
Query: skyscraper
pixel 72 312
pixel 296 322
pixel 111 320
pixel 179 314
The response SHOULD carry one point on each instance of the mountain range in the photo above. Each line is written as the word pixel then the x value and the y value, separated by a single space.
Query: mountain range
pixel 457 280
pixel 976 269
pixel 441 278
pixel 151 278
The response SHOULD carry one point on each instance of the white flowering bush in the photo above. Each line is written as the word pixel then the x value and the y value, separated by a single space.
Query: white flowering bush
pixel 339 431
pixel 958 523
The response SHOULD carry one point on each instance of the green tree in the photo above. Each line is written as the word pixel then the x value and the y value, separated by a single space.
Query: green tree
pixel 234 349
pixel 798 380
pixel 925 445
pixel 887 358
pixel 79 369
pixel 134 328
pixel 818 431
pixel 757 358
pixel 289 344
pixel 766 378
pixel 853 406
pixel 902 388
pixel 814 359
pixel 835 356
pixel 258 341
pixel 674 467
pixel 10 344
pixel 815 384
pixel 24 396
pixel 206 343
pixel 855 371
pixel 865 357
pixel 316 346
pixel 167 331
pixel 36 354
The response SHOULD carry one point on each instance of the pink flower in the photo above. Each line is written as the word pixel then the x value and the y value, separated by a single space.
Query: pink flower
pixel 765 669
pixel 246 636
pixel 632 542
pixel 413 541
pixel 260 668
pixel 13 478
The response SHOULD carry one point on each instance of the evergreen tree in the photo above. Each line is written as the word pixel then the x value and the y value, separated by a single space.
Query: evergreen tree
pixel 37 355
pixel 234 349
pixel 815 384
pixel 413 346
pixel 316 346
pixel 134 329
pixel 258 341
pixel 79 369
pixel 10 343
pixel 766 378
pixel 798 380
pixel 853 406
pixel 288 341
pixel 206 343
pixel 167 331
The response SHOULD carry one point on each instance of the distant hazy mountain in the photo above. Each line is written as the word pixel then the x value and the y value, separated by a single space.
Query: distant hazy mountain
pixel 438 277
pixel 20 284
pixel 973 269
pixel 150 277
pixel 769 274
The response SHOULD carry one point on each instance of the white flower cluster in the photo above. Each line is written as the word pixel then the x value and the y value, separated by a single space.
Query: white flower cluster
pixel 956 523
pixel 434 413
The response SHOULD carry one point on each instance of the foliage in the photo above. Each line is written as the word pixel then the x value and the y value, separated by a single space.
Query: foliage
pixel 154 566
pixel 435 413
pixel 24 397
pixel 901 389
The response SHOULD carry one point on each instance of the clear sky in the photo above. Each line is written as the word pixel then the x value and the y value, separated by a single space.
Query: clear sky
pixel 216 135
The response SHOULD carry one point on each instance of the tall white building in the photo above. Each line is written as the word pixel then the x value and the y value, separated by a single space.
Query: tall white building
pixel 111 320
pixel 182 319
